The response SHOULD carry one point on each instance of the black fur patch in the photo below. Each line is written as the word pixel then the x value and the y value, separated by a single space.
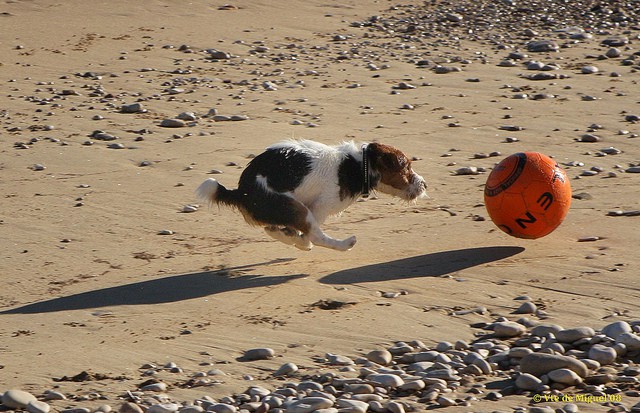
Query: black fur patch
pixel 350 178
pixel 284 169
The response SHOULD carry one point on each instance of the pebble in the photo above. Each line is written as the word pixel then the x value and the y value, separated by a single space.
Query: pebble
pixel 172 123
pixel 630 340
pixel 386 380
pixel 190 208
pixel 132 108
pixel 526 381
pixel 260 353
pixel 506 329
pixel 286 369
pixel 616 328
pixel 588 70
pixel 222 408
pixel 163 408
pixel 130 407
pixel 574 334
pixel 526 308
pixel 156 387
pixel 17 399
pixel 541 363
pixel 382 357
pixel 603 355
pixel 308 405
pixel 36 406
pixel 541 46
pixel 565 376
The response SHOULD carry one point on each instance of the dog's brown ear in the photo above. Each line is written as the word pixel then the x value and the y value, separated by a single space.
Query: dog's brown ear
pixel 385 157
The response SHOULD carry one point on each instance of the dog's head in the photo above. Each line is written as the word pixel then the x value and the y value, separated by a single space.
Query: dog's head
pixel 393 173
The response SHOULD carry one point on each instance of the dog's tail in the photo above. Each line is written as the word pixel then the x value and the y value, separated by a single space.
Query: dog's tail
pixel 213 192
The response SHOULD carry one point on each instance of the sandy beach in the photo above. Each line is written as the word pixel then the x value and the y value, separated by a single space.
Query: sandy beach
pixel 114 276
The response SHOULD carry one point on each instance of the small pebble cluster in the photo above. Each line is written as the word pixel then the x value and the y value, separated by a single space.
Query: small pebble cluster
pixel 541 361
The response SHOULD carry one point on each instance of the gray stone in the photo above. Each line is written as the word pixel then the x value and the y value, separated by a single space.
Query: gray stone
pixel 191 409
pixel 352 406
pixel 36 406
pixel 542 363
pixel 602 354
pixel 158 387
pixel 574 334
pixel 261 353
pixel 382 357
pixel 222 408
pixel 614 330
pixel 565 376
pixel 386 380
pixel 541 46
pixel 526 381
pixel 506 329
pixel 286 369
pixel 17 399
pixel 130 408
pixel 395 407
pixel 132 108
pixel 526 308
pixel 543 330
pixel 163 408
pixel 338 360
pixel 172 123
pixel 308 404
pixel 630 340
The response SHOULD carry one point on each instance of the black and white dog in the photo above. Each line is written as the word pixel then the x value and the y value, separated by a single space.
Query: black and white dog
pixel 292 187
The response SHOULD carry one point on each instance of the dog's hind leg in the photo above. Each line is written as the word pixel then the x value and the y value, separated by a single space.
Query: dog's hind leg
pixel 319 238
pixel 289 236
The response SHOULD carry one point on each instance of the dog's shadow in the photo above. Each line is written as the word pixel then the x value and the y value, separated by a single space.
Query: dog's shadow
pixel 428 265
pixel 160 290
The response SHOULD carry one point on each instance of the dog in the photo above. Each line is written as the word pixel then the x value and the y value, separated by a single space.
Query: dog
pixel 293 186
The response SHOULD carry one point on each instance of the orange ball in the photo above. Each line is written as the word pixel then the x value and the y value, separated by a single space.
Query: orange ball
pixel 527 195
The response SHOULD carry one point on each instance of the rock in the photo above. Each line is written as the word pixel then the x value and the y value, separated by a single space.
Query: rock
pixel 262 353
pixel 602 354
pixel 164 408
pixel 157 387
pixel 338 360
pixel 395 407
pixel 574 334
pixel 17 399
pixel 526 381
pixel 445 401
pixel 382 357
pixel 588 70
pixel 352 406
pixel 191 409
pixel 218 55
pixel 386 380
pixel 36 406
pixel 130 408
pixel 286 370
pixel 565 376
pixel 222 408
pixel 614 330
pixel 173 123
pixel 543 330
pixel 630 340
pixel 541 363
pixel 526 308
pixel 506 329
pixel 541 46
pixel 132 108
pixel 308 405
